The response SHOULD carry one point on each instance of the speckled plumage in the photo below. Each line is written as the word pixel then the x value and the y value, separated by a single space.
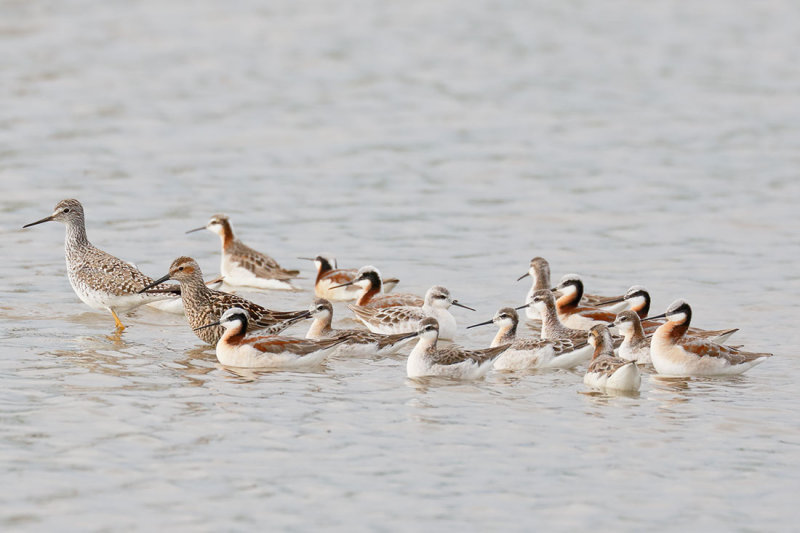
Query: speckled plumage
pixel 101 280
pixel 355 340
pixel 204 305
pixel 607 371
pixel 242 265
pixel 530 352
pixel 428 359
pixel 404 318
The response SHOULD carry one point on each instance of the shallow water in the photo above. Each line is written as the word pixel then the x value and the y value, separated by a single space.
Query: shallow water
pixel 446 143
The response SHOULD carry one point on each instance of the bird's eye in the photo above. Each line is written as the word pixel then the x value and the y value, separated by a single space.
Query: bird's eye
pixel 66 210
pixel 180 268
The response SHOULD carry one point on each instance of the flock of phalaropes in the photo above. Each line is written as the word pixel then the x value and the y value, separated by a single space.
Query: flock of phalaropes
pixel 572 327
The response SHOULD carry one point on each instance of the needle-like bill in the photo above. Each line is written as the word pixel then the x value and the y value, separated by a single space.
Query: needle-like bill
pixel 611 301
pixel 522 307
pixel 343 285
pixel 45 219
pixel 525 275
pixel 196 229
pixel 207 326
pixel 655 317
pixel 480 324
pixel 455 302
pixel 160 280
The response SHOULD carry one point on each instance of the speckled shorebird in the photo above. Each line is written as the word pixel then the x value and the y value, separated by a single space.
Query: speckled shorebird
pixel 607 371
pixel 204 306
pixel 673 353
pixel 404 318
pixel 539 271
pixel 356 341
pixel 332 282
pixel 452 361
pixel 101 280
pixel 530 352
pixel 235 349
pixel 243 266
pixel 369 278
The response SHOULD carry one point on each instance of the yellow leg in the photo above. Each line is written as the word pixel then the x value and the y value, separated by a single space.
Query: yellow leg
pixel 120 325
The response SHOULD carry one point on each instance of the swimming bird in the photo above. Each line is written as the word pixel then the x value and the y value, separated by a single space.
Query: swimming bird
pixel 607 371
pixel 100 280
pixel 571 313
pixel 529 352
pixel 330 275
pixel 244 266
pixel 452 361
pixel 635 344
pixel 404 318
pixel 235 349
pixel 638 300
pixel 369 278
pixel 675 354
pixel 355 341
pixel 539 271
pixel 544 302
pixel 204 306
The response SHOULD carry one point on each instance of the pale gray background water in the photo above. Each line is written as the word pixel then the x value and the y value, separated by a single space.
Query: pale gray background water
pixel 446 142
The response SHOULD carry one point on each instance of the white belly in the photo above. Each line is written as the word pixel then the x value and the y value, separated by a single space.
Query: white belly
pixel 247 356
pixel 626 378
pixel 576 321
pixel 240 276
pixel 342 294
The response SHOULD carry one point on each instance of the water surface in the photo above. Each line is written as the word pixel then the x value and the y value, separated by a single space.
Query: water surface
pixel 446 143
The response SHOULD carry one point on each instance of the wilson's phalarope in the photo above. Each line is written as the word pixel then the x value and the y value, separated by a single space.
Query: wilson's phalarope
pixel 329 274
pixel 607 371
pixel 204 306
pixel 355 341
pixel 236 350
pixel 539 271
pixel 573 315
pixel 544 302
pixel 243 266
pixel 101 280
pixel 404 318
pixel 638 300
pixel 450 361
pixel 369 278
pixel 529 352
pixel 635 344
pixel 675 354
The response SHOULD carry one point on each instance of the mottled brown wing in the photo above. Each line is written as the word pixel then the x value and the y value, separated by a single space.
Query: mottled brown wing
pixel 453 354
pixel 534 343
pixel 394 300
pixel 260 317
pixel 388 315
pixel 118 277
pixel 705 348
pixel 277 344
pixel 606 365
pixel 260 264
pixel 562 346
pixel 337 277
